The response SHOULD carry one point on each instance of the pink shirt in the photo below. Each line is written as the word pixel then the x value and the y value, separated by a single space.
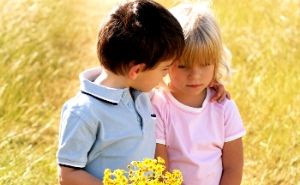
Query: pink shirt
pixel 195 136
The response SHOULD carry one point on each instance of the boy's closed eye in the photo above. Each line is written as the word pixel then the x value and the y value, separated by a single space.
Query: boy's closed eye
pixel 166 68
pixel 181 66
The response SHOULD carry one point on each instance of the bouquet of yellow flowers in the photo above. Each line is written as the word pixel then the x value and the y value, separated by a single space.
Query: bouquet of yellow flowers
pixel 146 172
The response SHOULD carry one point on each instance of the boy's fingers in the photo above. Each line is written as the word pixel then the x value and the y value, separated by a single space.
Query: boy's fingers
pixel 216 96
pixel 220 94
pixel 213 99
pixel 212 84
pixel 222 97
pixel 228 95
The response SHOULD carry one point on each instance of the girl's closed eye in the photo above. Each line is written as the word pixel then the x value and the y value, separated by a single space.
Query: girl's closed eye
pixel 206 64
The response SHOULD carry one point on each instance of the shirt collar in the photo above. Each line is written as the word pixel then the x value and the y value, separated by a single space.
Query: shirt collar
pixel 188 108
pixel 107 94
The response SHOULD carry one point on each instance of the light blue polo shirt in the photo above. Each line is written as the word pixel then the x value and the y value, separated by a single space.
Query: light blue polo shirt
pixel 102 127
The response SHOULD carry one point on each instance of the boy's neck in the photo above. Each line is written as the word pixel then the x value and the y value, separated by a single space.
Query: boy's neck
pixel 109 79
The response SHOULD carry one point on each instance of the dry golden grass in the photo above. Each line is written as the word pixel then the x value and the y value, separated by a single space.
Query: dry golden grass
pixel 44 44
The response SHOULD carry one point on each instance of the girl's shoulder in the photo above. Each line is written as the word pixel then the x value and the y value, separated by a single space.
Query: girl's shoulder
pixel 224 104
pixel 159 95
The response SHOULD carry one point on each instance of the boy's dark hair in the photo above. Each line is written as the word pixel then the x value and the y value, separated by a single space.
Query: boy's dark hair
pixel 139 31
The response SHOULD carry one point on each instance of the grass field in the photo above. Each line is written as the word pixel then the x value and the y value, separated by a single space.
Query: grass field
pixel 44 44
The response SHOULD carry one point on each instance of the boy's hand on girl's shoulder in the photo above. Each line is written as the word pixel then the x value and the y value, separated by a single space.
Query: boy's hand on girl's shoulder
pixel 220 94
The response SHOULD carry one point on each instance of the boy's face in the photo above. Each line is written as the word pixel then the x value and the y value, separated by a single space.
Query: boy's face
pixel 148 79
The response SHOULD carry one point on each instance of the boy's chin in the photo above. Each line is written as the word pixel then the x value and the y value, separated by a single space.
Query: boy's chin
pixel 143 89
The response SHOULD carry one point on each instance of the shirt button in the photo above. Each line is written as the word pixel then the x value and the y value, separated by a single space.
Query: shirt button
pixel 138 119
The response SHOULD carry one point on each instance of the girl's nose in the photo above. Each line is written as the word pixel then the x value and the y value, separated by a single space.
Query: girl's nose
pixel 195 73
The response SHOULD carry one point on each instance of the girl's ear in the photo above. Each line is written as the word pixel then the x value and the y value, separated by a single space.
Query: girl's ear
pixel 135 70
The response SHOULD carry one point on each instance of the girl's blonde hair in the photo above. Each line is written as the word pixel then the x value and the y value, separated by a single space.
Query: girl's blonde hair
pixel 203 42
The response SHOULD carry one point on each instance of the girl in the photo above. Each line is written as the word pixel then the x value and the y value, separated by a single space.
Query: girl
pixel 197 136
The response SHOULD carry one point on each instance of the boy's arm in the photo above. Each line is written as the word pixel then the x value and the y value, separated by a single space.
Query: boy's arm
pixel 73 176
pixel 161 151
pixel 232 158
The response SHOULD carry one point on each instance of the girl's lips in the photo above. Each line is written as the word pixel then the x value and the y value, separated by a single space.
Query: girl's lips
pixel 194 85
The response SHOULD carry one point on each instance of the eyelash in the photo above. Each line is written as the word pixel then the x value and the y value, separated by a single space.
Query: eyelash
pixel 181 66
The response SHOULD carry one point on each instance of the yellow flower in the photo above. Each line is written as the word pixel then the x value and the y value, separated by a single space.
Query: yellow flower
pixel 146 172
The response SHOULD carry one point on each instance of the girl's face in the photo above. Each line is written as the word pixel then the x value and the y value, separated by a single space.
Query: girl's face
pixel 190 80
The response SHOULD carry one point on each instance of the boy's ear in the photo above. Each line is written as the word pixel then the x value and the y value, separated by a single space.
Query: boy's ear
pixel 135 70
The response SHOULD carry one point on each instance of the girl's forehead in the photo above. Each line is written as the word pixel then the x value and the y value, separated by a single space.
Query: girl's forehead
pixel 195 62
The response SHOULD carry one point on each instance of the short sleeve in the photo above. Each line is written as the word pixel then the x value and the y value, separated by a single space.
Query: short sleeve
pixel 160 128
pixel 160 131
pixel 234 128
pixel 76 139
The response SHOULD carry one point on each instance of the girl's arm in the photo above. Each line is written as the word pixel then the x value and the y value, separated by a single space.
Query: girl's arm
pixel 72 176
pixel 233 160
pixel 161 151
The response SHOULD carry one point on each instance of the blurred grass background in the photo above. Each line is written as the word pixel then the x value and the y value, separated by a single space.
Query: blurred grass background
pixel 44 44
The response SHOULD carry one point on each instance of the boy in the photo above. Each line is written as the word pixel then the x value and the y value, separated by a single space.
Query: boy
pixel 110 122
